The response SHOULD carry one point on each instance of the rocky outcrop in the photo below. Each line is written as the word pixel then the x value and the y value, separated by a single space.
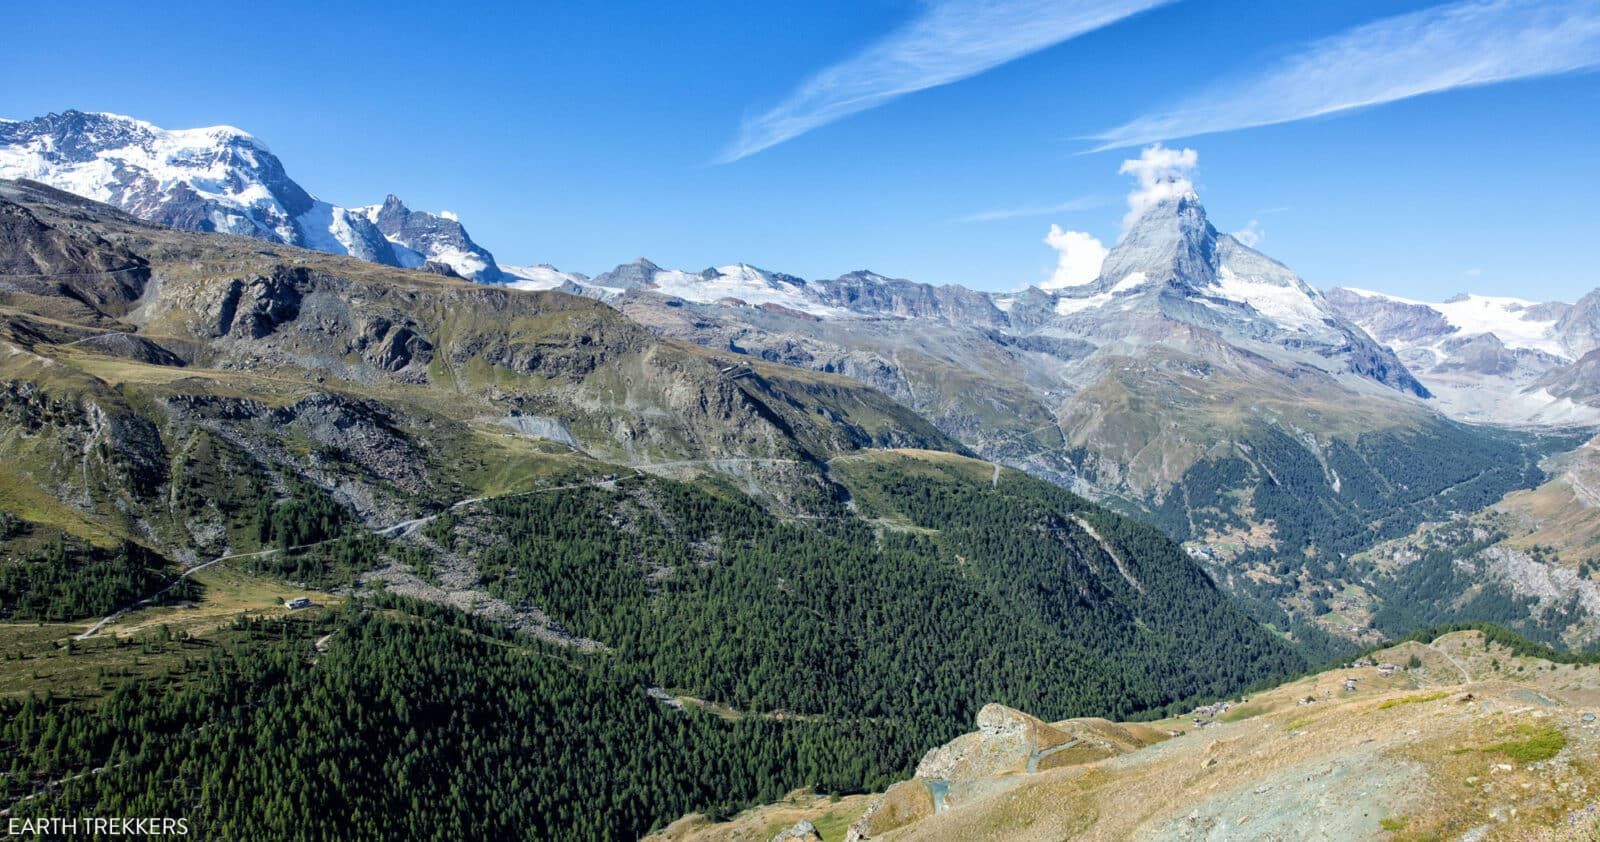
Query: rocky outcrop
pixel 802 831
pixel 94 448
pixel 434 267
pixel 1006 740
pixel 436 238
pixel 640 274
pixel 392 347
pixel 130 346
pixel 869 292
pixel 255 307
pixel 1008 746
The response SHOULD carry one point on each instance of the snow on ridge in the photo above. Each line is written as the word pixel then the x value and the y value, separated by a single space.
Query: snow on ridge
pixel 543 276
pixel 744 282
pixel 1066 305
pixel 1288 305
pixel 1502 315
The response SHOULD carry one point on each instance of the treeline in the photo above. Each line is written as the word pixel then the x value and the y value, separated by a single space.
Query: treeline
pixel 846 646
pixel 65 578
pixel 416 723
pixel 987 596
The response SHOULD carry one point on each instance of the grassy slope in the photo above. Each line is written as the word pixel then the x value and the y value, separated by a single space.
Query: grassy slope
pixel 1472 736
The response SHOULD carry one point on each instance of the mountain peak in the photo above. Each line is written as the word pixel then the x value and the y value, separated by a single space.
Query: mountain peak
pixel 221 178
pixel 1171 241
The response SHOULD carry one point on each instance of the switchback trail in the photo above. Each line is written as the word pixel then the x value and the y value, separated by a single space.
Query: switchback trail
pixel 397 530
pixel 406 527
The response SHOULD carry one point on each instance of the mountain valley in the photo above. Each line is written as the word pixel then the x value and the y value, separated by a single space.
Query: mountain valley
pixel 334 484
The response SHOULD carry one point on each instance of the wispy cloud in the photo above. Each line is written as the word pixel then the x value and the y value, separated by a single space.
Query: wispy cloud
pixel 949 41
pixel 1251 234
pixel 1463 44
pixel 1069 206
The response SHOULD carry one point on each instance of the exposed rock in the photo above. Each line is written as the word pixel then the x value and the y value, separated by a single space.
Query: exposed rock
pixel 434 267
pixel 802 831
pixel 1006 740
pixel 255 307
pixel 44 259
pixel 130 346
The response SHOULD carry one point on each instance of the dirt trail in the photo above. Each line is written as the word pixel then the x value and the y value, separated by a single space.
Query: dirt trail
pixel 411 525
pixel 397 530
pixel 1465 676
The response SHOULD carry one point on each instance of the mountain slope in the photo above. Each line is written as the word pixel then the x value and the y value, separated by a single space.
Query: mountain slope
pixel 369 379
pixel 1479 737
pixel 1194 380
pixel 549 555
pixel 223 179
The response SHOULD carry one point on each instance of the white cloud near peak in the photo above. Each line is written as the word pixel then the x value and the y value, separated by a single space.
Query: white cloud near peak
pixel 1161 174
pixel 1079 257
pixel 949 41
pixel 1251 234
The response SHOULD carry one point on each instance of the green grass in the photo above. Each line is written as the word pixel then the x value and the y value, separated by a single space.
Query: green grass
pixel 836 824
pixel 39 660
pixel 1243 712
pixel 1412 700
pixel 1538 743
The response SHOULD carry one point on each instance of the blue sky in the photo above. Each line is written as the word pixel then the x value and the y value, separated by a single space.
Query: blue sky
pixel 905 137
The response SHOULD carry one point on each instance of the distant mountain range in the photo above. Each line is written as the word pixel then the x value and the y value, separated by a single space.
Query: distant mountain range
pixel 1492 359
pixel 1276 430
pixel 1498 360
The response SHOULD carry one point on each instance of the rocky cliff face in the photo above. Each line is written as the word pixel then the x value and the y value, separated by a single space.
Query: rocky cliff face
pixel 433 238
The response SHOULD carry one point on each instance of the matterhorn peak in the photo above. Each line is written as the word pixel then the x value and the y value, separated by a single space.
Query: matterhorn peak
pixel 1170 240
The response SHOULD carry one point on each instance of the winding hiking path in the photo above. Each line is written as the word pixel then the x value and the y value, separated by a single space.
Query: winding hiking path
pixel 1465 676
pixel 397 530
pixel 411 525
pixel 176 580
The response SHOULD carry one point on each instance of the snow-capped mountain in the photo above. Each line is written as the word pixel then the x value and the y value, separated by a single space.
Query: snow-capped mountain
pixel 223 179
pixel 1490 358
pixel 1184 343
pixel 734 285
pixel 1173 272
